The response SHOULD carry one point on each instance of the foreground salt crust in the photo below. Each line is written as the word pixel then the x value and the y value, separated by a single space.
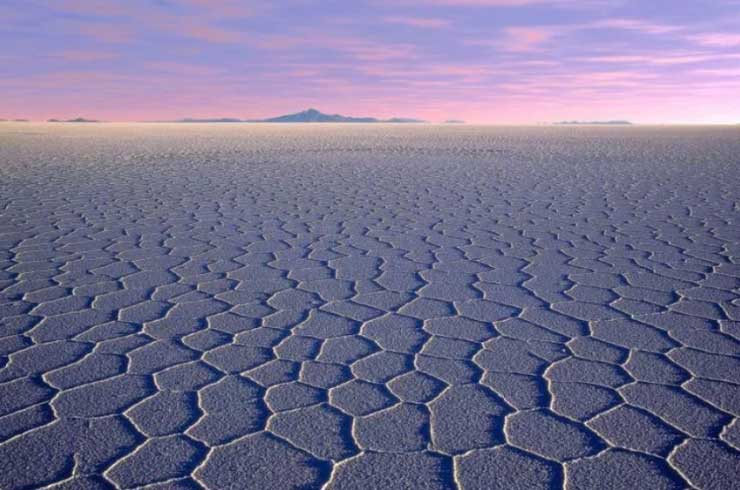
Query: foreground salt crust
pixel 251 306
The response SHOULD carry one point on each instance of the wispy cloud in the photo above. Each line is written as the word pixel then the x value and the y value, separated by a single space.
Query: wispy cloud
pixel 523 39
pixel 718 39
pixel 635 25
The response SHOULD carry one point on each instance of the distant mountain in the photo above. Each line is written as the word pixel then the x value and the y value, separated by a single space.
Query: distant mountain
pixel 307 116
pixel 454 121
pixel 593 123
pixel 315 116
pixel 403 120
pixel 20 120
pixel 75 120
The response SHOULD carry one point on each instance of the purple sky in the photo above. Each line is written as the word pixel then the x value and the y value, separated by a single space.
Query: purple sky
pixel 488 61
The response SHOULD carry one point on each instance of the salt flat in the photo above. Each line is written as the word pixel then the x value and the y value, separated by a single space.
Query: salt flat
pixel 368 306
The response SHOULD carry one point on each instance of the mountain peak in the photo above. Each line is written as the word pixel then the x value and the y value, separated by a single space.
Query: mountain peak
pixel 314 115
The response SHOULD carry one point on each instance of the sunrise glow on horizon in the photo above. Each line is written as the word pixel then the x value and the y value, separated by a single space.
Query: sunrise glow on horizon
pixel 482 61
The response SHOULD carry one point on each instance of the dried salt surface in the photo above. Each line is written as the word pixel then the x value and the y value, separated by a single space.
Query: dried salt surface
pixel 306 306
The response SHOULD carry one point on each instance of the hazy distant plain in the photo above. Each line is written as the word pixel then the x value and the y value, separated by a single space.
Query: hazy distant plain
pixel 368 306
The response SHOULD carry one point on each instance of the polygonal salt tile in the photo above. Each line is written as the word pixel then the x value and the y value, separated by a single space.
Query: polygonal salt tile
pixel 466 417
pixel 187 377
pixel 706 365
pixel 581 401
pixel 424 308
pixel 293 395
pixel 298 348
pixel 94 367
pixel 325 325
pixel 345 350
pixel 206 339
pixel 157 460
pixel 460 328
pixel 543 433
pixel 237 358
pixel 574 370
pixel 321 430
pixel 655 368
pixel 451 371
pixel 504 468
pixel 395 333
pixel 401 428
pixel 274 372
pixel 450 348
pixel 110 396
pixel 633 335
pixel 416 387
pixel 360 398
pixel 159 355
pixel 233 408
pixel 324 375
pixel 24 420
pixel 521 391
pixel 382 366
pixel 631 428
pixel 719 393
pixel 677 407
pixel 167 412
pixel 250 461
pixel 596 350
pixel 618 469
pixel 393 470
pixel 523 330
pixel 485 311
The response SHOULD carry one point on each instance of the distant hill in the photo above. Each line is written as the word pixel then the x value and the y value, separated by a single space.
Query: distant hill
pixel 313 115
pixel 75 120
pixel 307 116
pixel 593 123
pixel 454 121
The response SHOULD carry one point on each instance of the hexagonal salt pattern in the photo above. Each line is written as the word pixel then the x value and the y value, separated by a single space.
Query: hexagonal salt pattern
pixel 373 307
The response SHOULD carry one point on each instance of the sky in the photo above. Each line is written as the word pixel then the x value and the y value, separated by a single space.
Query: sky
pixel 482 61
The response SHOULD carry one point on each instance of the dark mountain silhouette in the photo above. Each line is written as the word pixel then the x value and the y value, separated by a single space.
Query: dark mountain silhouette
pixel 307 116
pixel 313 115
pixel 75 120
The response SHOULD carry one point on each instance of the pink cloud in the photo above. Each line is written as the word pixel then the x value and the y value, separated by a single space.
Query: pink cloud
pixel 718 40
pixel 209 33
pixel 677 58
pixel 109 33
pixel 636 25
pixel 524 39
pixel 85 56
pixel 224 8
pixel 356 47
pixel 494 3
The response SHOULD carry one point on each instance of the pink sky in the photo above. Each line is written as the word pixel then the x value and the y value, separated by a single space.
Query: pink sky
pixel 484 61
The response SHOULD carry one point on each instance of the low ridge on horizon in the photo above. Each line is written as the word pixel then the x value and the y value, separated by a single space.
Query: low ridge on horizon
pixel 310 115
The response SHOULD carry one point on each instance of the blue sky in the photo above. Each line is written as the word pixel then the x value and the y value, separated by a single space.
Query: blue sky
pixel 488 61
